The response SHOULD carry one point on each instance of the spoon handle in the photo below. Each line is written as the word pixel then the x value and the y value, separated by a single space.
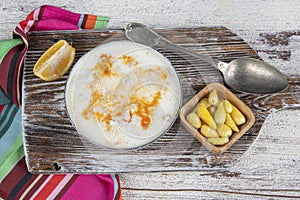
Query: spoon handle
pixel 162 42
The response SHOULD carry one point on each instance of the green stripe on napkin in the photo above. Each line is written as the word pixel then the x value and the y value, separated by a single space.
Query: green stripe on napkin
pixel 3 98
pixel 6 45
pixel 101 22
pixel 11 157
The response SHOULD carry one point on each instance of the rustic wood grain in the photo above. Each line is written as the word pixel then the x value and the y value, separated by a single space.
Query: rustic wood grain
pixel 52 144
pixel 237 15
pixel 270 168
pixel 263 172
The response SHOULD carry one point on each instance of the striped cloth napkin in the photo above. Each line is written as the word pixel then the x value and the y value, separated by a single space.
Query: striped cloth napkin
pixel 15 181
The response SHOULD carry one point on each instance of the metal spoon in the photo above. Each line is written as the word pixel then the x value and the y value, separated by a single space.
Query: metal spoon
pixel 242 74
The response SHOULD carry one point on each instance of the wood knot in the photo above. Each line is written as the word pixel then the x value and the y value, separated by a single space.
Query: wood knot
pixel 57 167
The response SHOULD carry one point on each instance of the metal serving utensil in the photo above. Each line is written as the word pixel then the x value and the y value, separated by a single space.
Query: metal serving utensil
pixel 242 74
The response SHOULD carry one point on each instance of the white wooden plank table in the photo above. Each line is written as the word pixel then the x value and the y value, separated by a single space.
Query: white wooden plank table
pixel 270 169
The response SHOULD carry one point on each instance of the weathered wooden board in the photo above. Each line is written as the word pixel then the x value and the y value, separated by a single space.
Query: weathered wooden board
pixel 52 145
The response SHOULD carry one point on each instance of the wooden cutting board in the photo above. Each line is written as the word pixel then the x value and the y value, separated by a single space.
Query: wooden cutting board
pixel 52 145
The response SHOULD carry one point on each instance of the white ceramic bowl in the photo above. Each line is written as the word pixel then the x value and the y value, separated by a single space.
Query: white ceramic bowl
pixel 123 95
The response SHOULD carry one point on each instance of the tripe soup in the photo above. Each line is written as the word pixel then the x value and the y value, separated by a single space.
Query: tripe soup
pixel 123 95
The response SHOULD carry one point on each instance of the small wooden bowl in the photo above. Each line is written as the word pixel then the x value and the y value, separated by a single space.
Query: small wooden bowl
pixel 223 93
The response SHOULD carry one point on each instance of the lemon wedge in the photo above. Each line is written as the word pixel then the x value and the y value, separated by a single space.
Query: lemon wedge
pixel 55 62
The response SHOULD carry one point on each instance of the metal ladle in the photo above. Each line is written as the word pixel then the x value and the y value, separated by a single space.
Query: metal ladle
pixel 242 74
